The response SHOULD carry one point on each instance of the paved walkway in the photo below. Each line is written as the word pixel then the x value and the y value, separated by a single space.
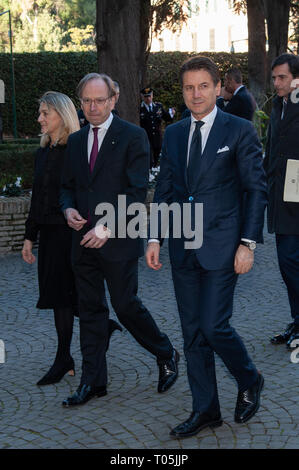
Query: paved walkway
pixel 133 415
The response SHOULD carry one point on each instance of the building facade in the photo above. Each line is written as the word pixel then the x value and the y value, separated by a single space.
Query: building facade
pixel 212 26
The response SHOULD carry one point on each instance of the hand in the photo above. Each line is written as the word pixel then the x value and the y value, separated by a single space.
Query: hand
pixel 243 260
pixel 74 219
pixel 27 254
pixel 96 237
pixel 152 256
pixel 225 94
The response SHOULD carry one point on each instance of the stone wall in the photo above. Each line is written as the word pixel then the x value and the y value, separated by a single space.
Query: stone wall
pixel 13 214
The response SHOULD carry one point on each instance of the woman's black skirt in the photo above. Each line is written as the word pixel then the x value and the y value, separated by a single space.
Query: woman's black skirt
pixel 55 275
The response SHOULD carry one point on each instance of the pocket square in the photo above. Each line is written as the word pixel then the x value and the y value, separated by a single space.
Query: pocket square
pixel 224 149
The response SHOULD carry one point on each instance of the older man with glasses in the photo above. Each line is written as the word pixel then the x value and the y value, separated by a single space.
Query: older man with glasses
pixel 108 158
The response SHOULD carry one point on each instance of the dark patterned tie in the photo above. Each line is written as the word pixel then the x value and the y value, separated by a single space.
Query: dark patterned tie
pixel 94 150
pixel 194 154
pixel 284 106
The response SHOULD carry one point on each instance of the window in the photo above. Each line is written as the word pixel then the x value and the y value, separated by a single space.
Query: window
pixel 194 41
pixel 161 44
pixel 229 37
pixel 212 39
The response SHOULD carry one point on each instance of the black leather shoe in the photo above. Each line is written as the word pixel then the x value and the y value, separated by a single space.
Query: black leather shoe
pixel 293 336
pixel 112 326
pixel 168 372
pixel 283 337
pixel 57 371
pixel 83 394
pixel 248 402
pixel 195 423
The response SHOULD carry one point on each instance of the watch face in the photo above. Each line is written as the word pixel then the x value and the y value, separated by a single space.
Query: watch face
pixel 252 246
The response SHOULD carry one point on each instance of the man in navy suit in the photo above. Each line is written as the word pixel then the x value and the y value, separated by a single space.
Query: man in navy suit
pixel 242 103
pixel 212 158
pixel 283 216
pixel 107 158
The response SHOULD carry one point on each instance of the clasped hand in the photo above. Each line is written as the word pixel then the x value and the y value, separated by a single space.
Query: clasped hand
pixel 94 238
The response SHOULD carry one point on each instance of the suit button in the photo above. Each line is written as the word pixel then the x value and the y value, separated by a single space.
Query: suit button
pixel 90 190
pixel 191 198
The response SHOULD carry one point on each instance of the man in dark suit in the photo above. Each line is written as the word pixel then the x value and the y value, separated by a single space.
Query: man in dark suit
pixel 108 158
pixel 283 216
pixel 242 103
pixel 211 158
pixel 151 116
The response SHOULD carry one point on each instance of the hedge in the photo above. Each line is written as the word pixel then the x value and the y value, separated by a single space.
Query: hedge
pixel 36 73
pixel 15 162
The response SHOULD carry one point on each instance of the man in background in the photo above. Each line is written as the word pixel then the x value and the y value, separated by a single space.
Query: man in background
pixel 283 216
pixel 151 116
pixel 240 101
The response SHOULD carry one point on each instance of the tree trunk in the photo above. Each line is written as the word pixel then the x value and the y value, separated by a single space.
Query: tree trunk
pixel 122 43
pixel 256 49
pixel 277 15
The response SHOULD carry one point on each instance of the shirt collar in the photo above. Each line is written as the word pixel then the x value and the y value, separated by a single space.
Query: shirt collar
pixel 239 88
pixel 208 119
pixel 105 125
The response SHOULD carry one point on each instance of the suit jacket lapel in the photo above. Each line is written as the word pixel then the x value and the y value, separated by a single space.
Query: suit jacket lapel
pixel 84 145
pixel 183 137
pixel 215 140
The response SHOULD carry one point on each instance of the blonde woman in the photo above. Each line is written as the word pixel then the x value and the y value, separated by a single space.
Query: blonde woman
pixel 58 119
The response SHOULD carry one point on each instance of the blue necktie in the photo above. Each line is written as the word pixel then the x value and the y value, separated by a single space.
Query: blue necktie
pixel 194 154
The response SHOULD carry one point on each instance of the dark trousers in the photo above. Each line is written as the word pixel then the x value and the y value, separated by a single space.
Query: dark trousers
pixel 288 259
pixel 205 301
pixel 91 269
pixel 155 154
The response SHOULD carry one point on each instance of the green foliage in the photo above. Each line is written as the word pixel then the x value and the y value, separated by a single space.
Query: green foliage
pixel 10 186
pixel 261 121
pixel 37 33
pixel 19 141
pixel 43 25
pixel 163 73
pixel 40 72
pixel 17 162
pixel 79 39
pixel 34 75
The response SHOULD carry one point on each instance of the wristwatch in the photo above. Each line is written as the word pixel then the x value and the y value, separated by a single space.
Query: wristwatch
pixel 250 245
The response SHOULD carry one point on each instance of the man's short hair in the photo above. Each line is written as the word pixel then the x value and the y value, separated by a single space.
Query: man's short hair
pixel 94 76
pixel 200 63
pixel 235 74
pixel 116 86
pixel 291 59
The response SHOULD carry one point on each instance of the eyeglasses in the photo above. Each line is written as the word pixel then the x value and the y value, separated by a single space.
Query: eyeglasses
pixel 96 101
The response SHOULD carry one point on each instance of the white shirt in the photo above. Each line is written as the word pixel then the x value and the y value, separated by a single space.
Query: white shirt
pixel 149 107
pixel 239 88
pixel 103 128
pixel 204 130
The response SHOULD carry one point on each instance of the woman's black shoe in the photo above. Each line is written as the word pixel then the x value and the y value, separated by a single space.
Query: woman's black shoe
pixel 56 372
pixel 283 337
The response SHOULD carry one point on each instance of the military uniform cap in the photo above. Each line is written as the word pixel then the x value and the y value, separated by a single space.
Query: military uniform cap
pixel 146 91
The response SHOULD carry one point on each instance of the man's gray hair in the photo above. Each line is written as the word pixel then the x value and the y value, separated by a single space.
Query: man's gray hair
pixel 95 76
